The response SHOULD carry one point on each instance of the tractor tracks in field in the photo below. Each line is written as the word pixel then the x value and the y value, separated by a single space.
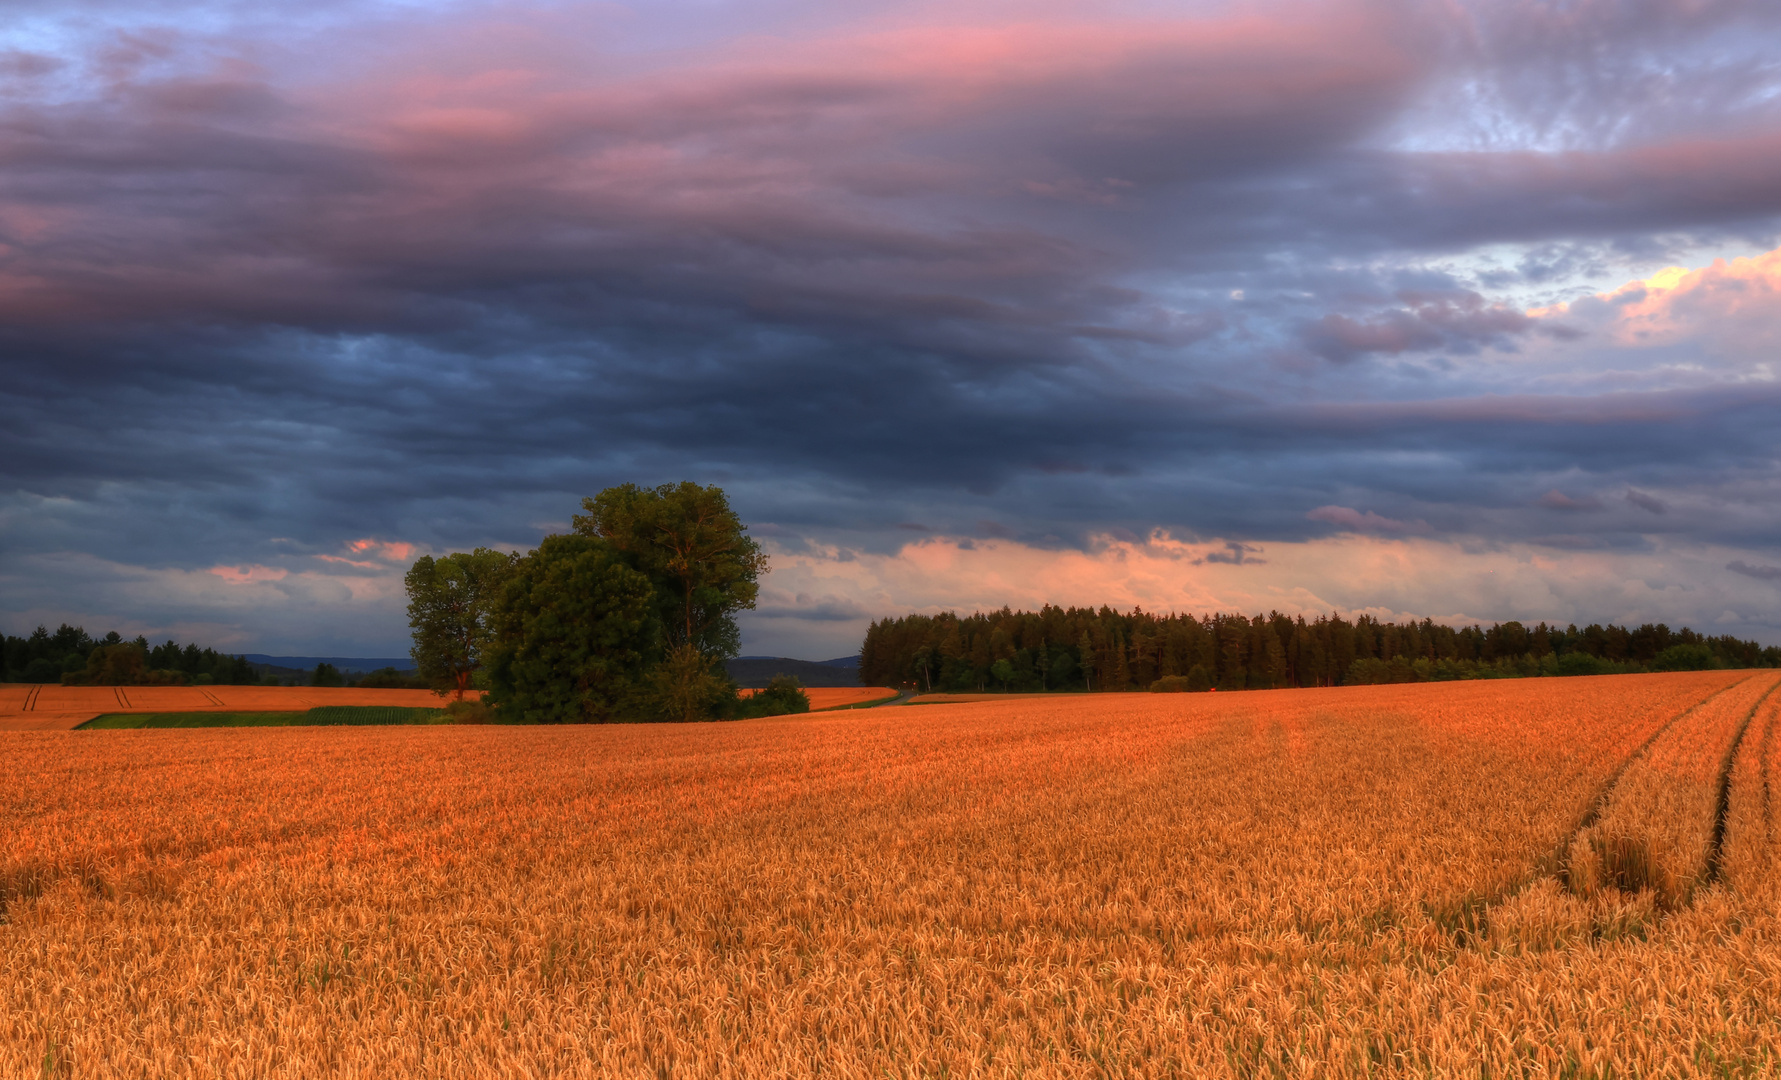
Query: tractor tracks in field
pixel 1605 794
pixel 1468 920
pixel 1723 807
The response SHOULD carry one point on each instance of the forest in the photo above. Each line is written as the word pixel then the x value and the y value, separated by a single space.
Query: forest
pixel 1086 649
pixel 73 657
pixel 66 655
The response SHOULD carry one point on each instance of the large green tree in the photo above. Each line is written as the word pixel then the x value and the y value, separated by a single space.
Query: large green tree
pixel 449 604
pixel 576 632
pixel 703 566
pixel 693 548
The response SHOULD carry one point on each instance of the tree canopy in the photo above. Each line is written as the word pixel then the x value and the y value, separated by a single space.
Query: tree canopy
pixel 693 548
pixel 627 618
pixel 575 632
pixel 449 603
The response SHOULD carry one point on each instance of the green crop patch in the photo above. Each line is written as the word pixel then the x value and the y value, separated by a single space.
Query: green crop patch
pixel 325 716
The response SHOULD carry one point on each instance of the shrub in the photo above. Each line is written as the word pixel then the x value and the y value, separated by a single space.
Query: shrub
pixel 388 678
pixel 1685 658
pixel 472 711
pixel 42 670
pixel 1581 663
pixel 1199 680
pixel 1171 684
pixel 783 695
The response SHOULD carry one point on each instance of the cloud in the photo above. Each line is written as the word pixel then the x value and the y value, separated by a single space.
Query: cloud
pixel 248 575
pixel 1758 571
pixel 818 609
pixel 1558 500
pixel 1357 521
pixel 1460 321
pixel 1235 554
pixel 1394 578
pixel 269 282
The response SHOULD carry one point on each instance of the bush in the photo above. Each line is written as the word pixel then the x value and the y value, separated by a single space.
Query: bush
pixel 1581 663
pixel 783 695
pixel 472 711
pixel 1199 680
pixel 1685 658
pixel 1171 684
pixel 369 715
pixel 1372 672
pixel 42 670
pixel 388 678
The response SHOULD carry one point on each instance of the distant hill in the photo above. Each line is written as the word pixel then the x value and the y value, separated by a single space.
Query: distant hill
pixel 759 670
pixel 345 664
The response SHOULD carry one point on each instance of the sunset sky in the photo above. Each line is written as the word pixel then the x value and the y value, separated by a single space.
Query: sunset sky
pixel 1462 309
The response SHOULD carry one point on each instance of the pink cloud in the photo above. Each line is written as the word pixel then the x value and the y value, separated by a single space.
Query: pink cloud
pixel 1727 301
pixel 387 550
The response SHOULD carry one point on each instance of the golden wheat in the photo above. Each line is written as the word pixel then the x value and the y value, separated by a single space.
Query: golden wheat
pixel 1358 881
pixel 1657 828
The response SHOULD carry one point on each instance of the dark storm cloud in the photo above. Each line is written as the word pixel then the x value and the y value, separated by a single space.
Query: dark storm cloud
pixel 1063 276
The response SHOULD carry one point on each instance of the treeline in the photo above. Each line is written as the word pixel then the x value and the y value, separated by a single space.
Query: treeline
pixel 1106 650
pixel 70 656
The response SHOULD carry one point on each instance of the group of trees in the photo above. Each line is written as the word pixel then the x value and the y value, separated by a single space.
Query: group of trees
pixel 71 656
pixel 1087 649
pixel 629 616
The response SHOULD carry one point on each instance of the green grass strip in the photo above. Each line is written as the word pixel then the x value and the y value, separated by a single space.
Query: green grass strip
pixel 327 715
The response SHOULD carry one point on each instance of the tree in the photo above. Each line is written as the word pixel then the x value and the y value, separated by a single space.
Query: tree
pixel 449 601
pixel 117 663
pixel 697 554
pixel 575 630
pixel 693 548
pixel 326 675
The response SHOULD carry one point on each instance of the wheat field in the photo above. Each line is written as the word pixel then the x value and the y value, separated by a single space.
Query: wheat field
pixel 32 707
pixel 1539 877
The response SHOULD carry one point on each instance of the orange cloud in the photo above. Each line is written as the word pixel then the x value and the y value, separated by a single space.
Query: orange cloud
pixel 1676 301
pixel 386 550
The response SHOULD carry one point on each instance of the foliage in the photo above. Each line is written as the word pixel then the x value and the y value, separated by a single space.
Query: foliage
pixel 782 696
pixel 472 711
pixel 326 675
pixel 1088 649
pixel 44 657
pixel 324 716
pixel 694 550
pixel 1172 684
pixel 575 630
pixel 449 604
pixel 688 686
pixel 122 664
pixel 388 678
pixel 1691 656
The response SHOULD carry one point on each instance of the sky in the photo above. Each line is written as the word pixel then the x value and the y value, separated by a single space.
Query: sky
pixel 1450 309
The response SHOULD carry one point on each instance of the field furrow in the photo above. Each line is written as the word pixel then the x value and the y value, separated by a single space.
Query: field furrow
pixel 1751 854
pixel 1658 829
